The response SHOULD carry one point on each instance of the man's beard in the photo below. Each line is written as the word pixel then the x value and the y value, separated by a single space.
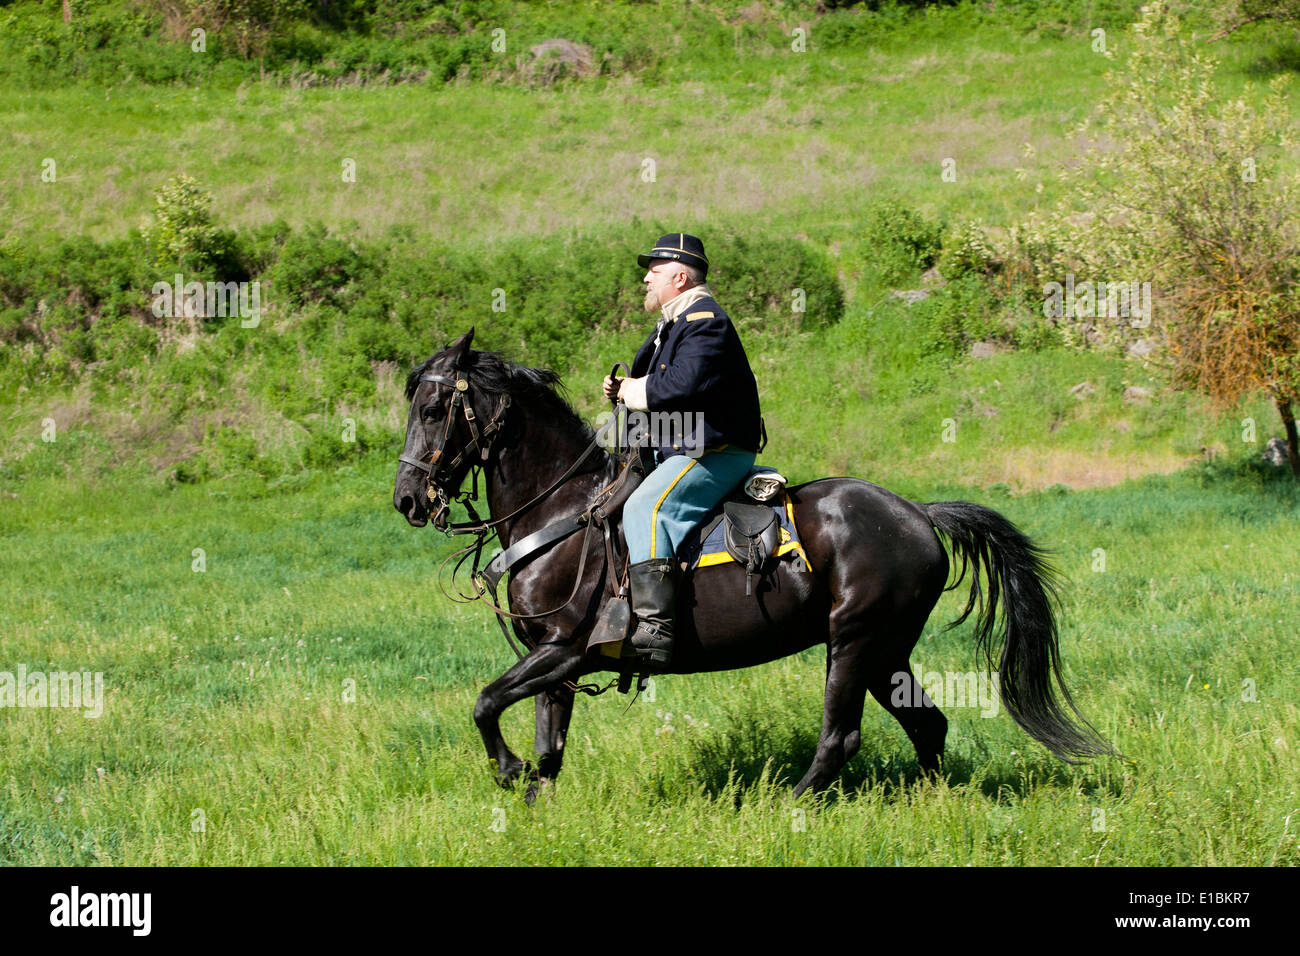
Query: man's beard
pixel 651 300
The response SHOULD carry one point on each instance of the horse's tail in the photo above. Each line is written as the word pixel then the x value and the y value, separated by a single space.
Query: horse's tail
pixel 1029 674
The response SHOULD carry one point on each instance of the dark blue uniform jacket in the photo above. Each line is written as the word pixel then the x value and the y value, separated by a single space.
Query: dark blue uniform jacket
pixel 701 367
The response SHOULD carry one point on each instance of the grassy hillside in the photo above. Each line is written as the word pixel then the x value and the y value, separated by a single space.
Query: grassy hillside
pixel 752 143
pixel 778 140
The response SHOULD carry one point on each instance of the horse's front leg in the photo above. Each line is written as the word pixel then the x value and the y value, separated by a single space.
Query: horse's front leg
pixel 541 670
pixel 554 710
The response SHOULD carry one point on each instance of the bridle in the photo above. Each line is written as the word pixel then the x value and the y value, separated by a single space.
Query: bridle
pixel 438 471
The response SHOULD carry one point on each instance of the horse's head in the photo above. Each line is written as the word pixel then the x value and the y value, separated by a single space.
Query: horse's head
pixel 449 430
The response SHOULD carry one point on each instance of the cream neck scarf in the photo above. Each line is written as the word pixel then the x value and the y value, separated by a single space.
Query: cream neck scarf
pixel 673 310
pixel 678 305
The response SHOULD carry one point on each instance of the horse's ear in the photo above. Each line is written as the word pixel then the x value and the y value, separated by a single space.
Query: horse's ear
pixel 460 348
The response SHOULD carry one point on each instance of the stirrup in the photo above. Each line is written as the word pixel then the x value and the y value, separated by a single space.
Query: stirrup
pixel 612 627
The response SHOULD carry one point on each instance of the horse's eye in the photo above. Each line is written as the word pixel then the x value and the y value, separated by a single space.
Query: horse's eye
pixel 428 413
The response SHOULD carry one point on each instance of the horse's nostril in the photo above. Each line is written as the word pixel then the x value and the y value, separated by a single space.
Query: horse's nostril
pixel 405 505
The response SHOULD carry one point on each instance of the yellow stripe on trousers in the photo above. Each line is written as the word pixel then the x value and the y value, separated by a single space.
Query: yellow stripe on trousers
pixel 654 513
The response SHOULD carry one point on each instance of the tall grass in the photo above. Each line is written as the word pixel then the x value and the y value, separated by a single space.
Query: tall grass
pixel 226 737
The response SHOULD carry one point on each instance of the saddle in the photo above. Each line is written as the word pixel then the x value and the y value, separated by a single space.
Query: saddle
pixel 739 528
pixel 755 535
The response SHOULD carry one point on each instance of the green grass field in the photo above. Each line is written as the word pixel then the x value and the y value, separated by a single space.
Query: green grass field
pixel 228 736
pixel 284 681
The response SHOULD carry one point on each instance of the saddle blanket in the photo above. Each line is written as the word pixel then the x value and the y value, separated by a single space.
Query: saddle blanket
pixel 713 549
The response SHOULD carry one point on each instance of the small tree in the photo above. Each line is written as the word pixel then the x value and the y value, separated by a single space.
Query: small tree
pixel 182 234
pixel 1237 15
pixel 1191 192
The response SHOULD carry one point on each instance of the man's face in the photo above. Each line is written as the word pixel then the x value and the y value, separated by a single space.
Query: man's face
pixel 662 283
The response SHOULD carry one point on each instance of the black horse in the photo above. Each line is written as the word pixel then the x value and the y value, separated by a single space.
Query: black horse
pixel 879 567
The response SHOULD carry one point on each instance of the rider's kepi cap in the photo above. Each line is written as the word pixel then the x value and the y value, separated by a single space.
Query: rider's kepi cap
pixel 686 249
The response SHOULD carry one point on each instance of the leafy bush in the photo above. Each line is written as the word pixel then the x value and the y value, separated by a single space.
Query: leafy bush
pixel 315 267
pixel 898 241
pixel 966 252
pixel 182 235
pixel 334 442
pixel 969 310
pixel 77 303
pixel 950 319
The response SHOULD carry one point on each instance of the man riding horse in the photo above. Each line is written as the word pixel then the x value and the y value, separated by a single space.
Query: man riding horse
pixel 691 369
pixel 878 562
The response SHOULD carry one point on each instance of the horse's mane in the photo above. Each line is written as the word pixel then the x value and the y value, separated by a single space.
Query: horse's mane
pixel 492 373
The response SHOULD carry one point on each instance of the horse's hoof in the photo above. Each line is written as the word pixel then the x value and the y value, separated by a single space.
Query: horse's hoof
pixel 931 767
pixel 505 779
pixel 539 787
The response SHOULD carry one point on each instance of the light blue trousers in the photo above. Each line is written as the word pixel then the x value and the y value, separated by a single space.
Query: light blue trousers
pixel 676 496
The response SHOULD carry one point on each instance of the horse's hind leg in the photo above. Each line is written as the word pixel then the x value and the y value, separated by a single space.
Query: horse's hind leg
pixel 899 692
pixel 554 709
pixel 846 692
pixel 856 664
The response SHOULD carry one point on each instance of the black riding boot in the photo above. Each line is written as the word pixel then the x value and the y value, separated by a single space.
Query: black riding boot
pixel 653 587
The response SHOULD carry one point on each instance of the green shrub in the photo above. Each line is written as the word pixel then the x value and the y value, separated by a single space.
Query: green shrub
pixel 897 241
pixel 967 252
pixel 969 310
pixel 953 317
pixel 74 304
pixel 315 267
pixel 182 234
pixel 327 447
